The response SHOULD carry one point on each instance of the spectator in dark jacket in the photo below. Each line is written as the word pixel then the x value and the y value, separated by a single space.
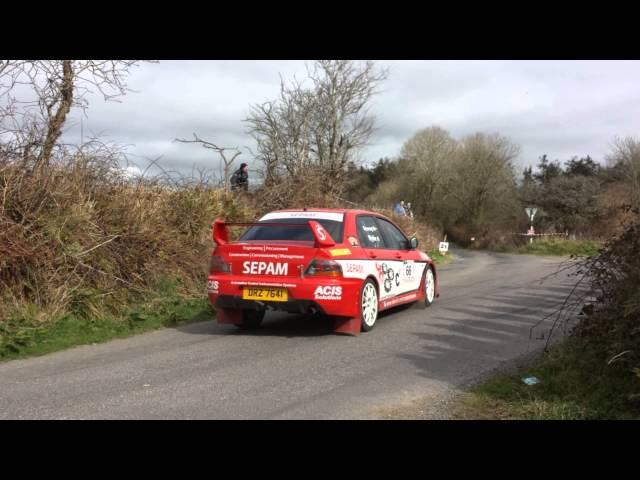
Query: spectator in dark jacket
pixel 408 210
pixel 240 178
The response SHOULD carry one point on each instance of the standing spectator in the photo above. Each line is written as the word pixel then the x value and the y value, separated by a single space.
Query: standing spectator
pixel 399 209
pixel 408 210
pixel 240 178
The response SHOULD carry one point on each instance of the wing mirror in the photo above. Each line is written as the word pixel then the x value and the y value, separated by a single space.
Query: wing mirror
pixel 413 243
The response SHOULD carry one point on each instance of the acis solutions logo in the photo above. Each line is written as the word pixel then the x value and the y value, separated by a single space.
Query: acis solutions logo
pixel 328 293
pixel 212 286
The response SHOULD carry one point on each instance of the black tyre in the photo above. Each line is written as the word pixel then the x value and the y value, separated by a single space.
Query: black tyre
pixel 251 319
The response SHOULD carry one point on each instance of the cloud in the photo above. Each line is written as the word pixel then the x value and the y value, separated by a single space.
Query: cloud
pixel 561 108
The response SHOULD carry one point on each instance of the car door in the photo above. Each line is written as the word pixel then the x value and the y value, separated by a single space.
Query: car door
pixel 409 272
pixel 386 261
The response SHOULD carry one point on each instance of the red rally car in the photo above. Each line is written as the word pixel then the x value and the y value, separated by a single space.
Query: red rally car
pixel 348 264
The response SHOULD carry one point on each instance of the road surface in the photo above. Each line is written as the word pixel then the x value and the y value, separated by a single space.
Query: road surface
pixel 295 368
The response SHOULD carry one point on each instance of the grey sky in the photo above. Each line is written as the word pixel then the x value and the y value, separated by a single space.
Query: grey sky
pixel 561 108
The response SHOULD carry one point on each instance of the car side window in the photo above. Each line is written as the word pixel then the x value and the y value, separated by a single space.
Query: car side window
pixel 393 237
pixel 369 232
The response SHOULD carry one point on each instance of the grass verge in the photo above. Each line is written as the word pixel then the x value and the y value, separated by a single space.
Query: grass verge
pixel 556 247
pixel 575 383
pixel 438 258
pixel 23 335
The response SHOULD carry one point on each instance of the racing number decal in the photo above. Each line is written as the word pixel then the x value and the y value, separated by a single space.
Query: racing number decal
pixel 408 270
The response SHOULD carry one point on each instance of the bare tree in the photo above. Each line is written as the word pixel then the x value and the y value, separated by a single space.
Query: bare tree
pixel 429 155
pixel 319 127
pixel 36 97
pixel 226 162
pixel 483 185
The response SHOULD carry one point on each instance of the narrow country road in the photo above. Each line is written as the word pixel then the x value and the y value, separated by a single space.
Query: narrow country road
pixel 296 368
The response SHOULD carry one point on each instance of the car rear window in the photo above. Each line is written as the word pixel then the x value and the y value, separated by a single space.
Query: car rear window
pixel 258 232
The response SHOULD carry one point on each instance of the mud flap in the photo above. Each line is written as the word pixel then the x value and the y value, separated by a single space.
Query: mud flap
pixel 419 304
pixel 229 315
pixel 348 325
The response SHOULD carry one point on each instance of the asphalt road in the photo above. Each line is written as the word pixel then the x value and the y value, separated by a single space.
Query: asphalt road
pixel 296 368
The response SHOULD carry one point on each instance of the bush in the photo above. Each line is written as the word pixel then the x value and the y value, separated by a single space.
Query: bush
pixel 78 237
pixel 613 311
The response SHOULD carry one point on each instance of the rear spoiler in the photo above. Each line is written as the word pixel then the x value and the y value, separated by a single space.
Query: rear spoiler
pixel 320 234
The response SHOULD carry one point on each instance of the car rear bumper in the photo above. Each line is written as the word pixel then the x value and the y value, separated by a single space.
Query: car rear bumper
pixel 290 306
pixel 303 294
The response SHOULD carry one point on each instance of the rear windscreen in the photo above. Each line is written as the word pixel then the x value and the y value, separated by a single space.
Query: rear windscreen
pixel 302 233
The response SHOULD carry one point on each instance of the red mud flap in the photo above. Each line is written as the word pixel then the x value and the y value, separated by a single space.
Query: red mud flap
pixel 229 315
pixel 348 325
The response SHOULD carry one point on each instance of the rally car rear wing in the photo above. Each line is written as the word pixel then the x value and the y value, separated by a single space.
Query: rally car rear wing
pixel 320 234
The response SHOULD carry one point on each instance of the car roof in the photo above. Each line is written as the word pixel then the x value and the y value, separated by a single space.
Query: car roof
pixel 332 210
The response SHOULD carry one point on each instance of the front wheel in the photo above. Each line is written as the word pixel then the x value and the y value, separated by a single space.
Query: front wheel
pixel 429 287
pixel 368 305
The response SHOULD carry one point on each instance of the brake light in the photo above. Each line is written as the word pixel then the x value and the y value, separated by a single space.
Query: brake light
pixel 324 268
pixel 218 265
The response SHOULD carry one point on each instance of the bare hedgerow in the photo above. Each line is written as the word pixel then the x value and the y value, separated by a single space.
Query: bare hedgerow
pixel 79 235
pixel 603 308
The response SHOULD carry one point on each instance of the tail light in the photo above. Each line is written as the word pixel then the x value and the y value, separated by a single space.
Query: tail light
pixel 218 265
pixel 324 268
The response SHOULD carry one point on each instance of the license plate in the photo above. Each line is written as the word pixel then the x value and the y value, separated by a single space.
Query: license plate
pixel 265 293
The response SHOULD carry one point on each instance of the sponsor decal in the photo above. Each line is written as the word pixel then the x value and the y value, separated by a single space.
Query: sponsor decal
pixel 257 248
pixel 369 229
pixel 354 268
pixel 269 248
pixel 264 248
pixel 264 284
pixel 387 276
pixel 328 292
pixel 336 252
pixel 395 301
pixel 373 239
pixel 275 256
pixel 336 217
pixel 212 286
pixel 265 268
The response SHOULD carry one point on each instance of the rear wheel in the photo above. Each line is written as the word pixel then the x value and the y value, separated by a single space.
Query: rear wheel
pixel 251 319
pixel 368 305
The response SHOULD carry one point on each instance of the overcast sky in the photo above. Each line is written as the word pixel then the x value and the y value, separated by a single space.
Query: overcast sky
pixel 561 108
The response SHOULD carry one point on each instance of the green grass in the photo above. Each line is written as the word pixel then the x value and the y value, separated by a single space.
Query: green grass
pixel 556 247
pixel 23 336
pixel 438 258
pixel 575 383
